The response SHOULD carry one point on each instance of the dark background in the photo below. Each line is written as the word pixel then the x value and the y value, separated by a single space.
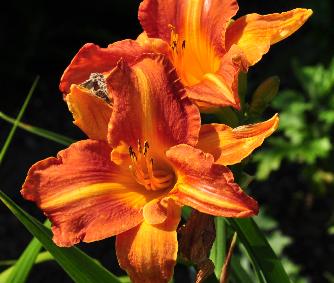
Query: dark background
pixel 41 37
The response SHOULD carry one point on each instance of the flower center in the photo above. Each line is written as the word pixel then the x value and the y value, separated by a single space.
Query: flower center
pixel 193 56
pixel 148 174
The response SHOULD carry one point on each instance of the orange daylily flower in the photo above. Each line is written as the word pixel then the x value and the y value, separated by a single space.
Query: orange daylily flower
pixel 209 50
pixel 137 170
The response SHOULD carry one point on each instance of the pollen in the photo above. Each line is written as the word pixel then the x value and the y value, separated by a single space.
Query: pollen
pixel 146 172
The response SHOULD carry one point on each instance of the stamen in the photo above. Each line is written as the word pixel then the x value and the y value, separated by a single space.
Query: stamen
pixel 132 153
pixel 143 171
pixel 139 146
pixel 146 147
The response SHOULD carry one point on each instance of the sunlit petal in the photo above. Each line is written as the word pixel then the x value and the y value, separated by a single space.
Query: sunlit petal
pixel 255 33
pixel 195 30
pixel 219 88
pixel 148 252
pixel 229 146
pixel 150 104
pixel 192 19
pixel 85 195
pixel 206 186
pixel 93 59
pixel 91 113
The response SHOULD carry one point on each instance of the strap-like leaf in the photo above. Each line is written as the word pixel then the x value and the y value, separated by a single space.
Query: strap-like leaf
pixel 238 273
pixel 79 266
pixel 267 265
pixel 58 138
pixel 41 257
pixel 17 120
pixel 218 250
pixel 23 266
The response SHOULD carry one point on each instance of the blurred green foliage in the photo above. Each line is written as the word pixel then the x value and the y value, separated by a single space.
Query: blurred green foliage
pixel 305 135
pixel 279 242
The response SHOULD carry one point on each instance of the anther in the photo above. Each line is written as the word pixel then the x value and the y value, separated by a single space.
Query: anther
pixel 132 153
pixel 183 44
pixel 146 147
pixel 174 45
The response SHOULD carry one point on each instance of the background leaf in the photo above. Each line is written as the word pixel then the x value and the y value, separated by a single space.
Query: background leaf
pixel 262 255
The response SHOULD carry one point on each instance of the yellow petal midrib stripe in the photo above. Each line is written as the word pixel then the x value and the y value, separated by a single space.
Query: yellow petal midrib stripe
pixel 207 199
pixel 91 191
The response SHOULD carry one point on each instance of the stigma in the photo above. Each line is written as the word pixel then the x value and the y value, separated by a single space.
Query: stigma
pixel 146 172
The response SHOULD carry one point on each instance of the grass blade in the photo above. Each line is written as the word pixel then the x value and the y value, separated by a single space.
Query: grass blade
pixel 22 267
pixel 17 120
pixel 238 273
pixel 41 257
pixel 218 251
pixel 63 140
pixel 267 265
pixel 24 264
pixel 72 260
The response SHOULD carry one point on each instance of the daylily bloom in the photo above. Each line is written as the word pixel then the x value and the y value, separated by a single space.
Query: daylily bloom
pixel 208 49
pixel 137 170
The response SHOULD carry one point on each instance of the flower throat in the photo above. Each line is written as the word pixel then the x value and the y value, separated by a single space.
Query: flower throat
pixel 146 172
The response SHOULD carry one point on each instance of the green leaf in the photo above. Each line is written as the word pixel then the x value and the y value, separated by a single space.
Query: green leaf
pixel 186 211
pixel 218 251
pixel 17 120
pixel 331 230
pixel 42 257
pixel 63 140
pixel 263 95
pixel 23 266
pixel 79 266
pixel 238 273
pixel 267 265
pixel 227 116
pixel 124 279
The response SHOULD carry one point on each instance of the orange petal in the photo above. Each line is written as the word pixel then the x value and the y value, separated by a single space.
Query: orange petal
pixel 196 34
pixel 155 212
pixel 191 18
pixel 148 252
pixel 229 146
pixel 150 104
pixel 206 186
pixel 155 45
pixel 219 89
pixel 91 113
pixel 93 59
pixel 85 195
pixel 255 33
